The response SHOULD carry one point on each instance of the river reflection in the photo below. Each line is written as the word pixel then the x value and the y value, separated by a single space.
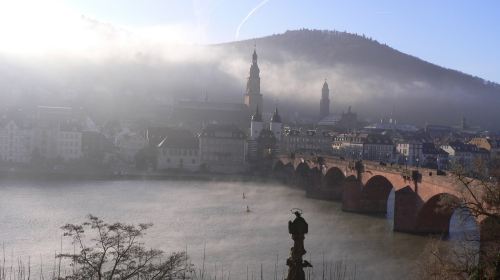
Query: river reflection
pixel 211 214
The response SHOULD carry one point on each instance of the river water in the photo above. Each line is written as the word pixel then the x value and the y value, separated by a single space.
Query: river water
pixel 213 215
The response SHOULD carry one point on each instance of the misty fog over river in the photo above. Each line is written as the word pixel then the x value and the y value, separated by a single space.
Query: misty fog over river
pixel 191 214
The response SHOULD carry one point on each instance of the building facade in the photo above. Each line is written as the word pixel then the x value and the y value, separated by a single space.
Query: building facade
pixel 355 146
pixel 223 149
pixel 178 150
pixel 466 157
pixel 194 115
pixel 378 147
pixel 265 139
pixel 69 141
pixel 349 145
pixel 434 157
pixel 410 152
pixel 57 134
pixel 489 144
pixel 16 142
pixel 306 141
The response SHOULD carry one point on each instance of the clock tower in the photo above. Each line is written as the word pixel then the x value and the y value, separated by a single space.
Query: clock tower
pixel 253 97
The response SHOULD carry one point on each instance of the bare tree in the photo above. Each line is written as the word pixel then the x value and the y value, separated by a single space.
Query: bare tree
pixel 114 251
pixel 480 197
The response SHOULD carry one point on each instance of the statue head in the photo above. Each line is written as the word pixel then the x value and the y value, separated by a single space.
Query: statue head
pixel 299 224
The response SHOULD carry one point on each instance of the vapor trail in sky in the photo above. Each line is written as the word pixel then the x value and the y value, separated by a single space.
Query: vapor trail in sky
pixel 261 4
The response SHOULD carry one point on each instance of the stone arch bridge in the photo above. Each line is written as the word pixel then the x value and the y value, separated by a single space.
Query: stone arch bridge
pixel 365 188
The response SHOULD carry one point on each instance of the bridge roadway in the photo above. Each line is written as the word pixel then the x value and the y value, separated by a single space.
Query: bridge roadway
pixel 365 188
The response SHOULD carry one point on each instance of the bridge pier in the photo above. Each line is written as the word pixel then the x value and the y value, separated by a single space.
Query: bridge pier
pixel 323 188
pixel 406 204
pixel 333 183
pixel 351 195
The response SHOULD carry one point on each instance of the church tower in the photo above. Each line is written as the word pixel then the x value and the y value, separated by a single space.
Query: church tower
pixel 276 125
pixel 324 104
pixel 256 125
pixel 253 97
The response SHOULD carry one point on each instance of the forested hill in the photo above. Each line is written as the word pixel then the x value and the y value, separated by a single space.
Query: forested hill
pixel 376 80
pixel 374 77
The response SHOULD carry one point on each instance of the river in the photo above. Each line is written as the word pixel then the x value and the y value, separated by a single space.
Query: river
pixel 194 215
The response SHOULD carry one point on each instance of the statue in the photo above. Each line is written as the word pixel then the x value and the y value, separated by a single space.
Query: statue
pixel 298 228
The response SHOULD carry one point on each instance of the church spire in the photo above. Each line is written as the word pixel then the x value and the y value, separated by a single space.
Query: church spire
pixel 276 116
pixel 325 85
pixel 253 97
pixel 324 104
pixel 254 55
pixel 257 117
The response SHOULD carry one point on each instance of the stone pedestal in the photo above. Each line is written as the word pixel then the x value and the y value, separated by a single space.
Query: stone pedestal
pixel 295 262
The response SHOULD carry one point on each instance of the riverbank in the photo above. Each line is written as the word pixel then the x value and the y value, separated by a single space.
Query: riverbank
pixel 50 175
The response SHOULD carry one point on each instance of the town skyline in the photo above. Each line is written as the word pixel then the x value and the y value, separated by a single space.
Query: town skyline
pixel 224 123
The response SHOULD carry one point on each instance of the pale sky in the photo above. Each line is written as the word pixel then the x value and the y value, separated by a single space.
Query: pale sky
pixel 458 34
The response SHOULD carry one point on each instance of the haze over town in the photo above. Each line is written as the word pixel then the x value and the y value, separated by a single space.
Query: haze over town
pixel 216 121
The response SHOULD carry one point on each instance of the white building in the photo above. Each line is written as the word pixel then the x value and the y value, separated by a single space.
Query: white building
pixel 349 145
pixel 54 133
pixel 16 142
pixel 57 134
pixel 410 152
pixel 465 156
pixel 69 142
pixel 179 150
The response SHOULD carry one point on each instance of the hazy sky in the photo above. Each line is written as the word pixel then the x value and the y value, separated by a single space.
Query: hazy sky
pixel 458 34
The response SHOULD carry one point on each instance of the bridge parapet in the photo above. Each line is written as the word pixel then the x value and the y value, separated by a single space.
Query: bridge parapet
pixel 426 175
pixel 375 182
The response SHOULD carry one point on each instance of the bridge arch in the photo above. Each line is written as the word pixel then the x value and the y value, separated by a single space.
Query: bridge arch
pixel 375 194
pixel 302 175
pixel 279 170
pixel 351 178
pixel 278 166
pixel 302 168
pixel 435 214
pixel 334 177
pixel 287 173
pixel 316 176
